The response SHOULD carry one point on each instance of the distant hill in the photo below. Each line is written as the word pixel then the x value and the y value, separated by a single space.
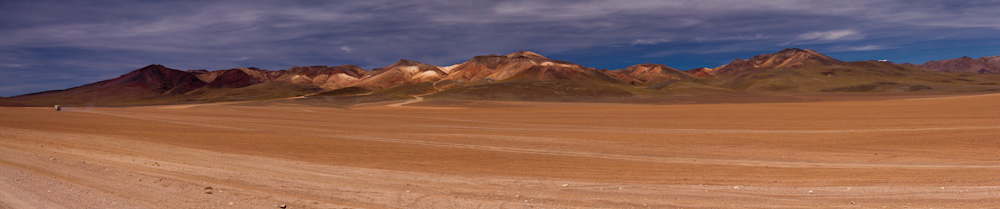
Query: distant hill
pixel 788 59
pixel 654 73
pixel 701 72
pixel 797 70
pixel 523 65
pixel 403 72
pixel 983 65
pixel 529 76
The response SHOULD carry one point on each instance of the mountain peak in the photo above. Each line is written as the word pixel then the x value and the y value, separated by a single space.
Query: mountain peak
pixel 153 67
pixel 653 73
pixel 526 54
pixel 787 58
pixel 406 62
pixel 792 50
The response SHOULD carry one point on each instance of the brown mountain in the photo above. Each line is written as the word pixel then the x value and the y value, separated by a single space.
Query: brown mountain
pixel 402 72
pixel 317 76
pixel 523 65
pixel 786 59
pixel 529 76
pixel 701 72
pixel 796 70
pixel 653 73
pixel 238 78
pixel 145 83
pixel 158 84
pixel 322 76
pixel 983 65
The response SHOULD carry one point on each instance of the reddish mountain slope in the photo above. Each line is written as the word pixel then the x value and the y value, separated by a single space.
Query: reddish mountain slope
pixel 402 72
pixel 528 76
pixel 788 59
pixel 653 73
pixel 701 72
pixel 523 65
pixel 983 65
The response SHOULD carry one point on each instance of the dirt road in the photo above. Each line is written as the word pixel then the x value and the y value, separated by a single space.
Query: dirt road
pixel 927 153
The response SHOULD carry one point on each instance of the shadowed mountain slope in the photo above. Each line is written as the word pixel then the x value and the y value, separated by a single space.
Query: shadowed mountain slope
pixel 145 83
pixel 983 65
pixel 156 84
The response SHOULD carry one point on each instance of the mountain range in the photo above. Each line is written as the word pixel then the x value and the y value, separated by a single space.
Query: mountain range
pixel 529 76
pixel 983 65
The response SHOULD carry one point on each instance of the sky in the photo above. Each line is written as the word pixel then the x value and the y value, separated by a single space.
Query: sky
pixel 48 45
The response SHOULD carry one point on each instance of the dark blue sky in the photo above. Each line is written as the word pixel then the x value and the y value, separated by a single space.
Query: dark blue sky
pixel 49 45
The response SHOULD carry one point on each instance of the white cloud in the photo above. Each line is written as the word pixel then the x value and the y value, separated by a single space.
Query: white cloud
pixel 859 48
pixel 735 38
pixel 650 41
pixel 831 35
pixel 346 49
pixel 13 65
pixel 826 36
pixel 243 58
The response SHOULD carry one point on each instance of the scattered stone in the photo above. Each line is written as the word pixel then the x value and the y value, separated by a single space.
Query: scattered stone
pixel 281 206
pixel 231 203
pixel 407 191
pixel 564 185
pixel 208 192
pixel 853 203
pixel 140 179
pixel 942 187
pixel 736 187
pixel 517 196
pixel 208 187
pixel 810 191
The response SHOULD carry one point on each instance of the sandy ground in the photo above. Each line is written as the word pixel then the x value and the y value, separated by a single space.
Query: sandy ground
pixel 915 153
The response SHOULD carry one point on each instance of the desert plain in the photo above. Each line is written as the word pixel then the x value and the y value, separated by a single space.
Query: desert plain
pixel 939 151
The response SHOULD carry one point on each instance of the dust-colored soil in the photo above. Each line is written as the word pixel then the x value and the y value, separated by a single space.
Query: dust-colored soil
pixel 918 153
